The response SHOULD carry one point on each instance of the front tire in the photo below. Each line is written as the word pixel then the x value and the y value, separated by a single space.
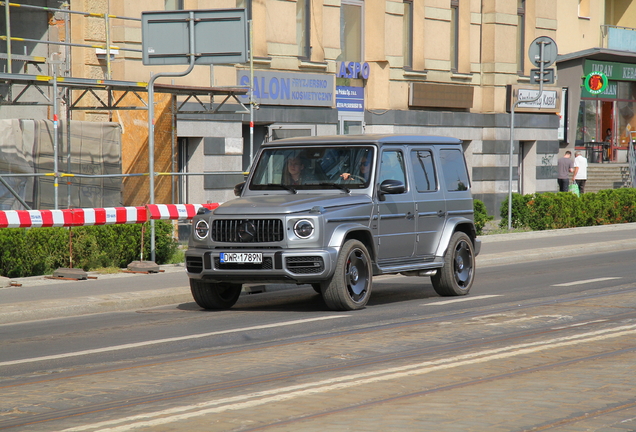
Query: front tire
pixel 457 275
pixel 210 295
pixel 350 286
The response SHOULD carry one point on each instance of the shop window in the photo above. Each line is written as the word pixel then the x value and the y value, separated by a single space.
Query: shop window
pixel 407 34
pixel 351 28
pixel 303 33
pixel 586 124
pixel 454 39
pixel 521 40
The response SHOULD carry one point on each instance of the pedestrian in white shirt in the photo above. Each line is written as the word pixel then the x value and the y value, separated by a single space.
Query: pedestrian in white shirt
pixel 580 171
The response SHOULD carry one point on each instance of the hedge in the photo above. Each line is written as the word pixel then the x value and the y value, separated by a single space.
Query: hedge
pixel 39 251
pixel 549 210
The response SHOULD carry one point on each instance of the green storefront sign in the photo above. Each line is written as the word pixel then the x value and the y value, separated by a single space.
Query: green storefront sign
pixel 613 71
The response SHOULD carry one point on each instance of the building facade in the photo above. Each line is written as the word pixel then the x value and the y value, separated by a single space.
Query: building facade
pixel 434 67
pixel 603 53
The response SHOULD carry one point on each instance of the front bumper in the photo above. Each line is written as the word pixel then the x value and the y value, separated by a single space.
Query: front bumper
pixel 294 266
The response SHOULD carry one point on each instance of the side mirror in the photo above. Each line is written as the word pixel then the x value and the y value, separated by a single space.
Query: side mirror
pixel 238 189
pixel 392 187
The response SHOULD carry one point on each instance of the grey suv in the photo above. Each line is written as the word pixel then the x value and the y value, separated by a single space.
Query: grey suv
pixel 335 211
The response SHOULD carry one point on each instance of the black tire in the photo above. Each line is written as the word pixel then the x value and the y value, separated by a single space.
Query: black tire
pixel 210 295
pixel 456 277
pixel 350 285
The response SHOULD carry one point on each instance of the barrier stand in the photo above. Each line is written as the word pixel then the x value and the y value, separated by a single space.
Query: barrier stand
pixel 142 266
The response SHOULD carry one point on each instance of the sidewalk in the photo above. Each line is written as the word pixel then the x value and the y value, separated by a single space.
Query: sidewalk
pixel 41 298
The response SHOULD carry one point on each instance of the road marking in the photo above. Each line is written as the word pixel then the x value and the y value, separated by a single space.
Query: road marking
pixel 173 339
pixel 250 400
pixel 579 324
pixel 462 299
pixel 587 281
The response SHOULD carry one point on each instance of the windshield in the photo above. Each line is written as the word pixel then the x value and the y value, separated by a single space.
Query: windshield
pixel 308 168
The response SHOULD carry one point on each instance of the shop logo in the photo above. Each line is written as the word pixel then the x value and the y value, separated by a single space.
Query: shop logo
pixel 596 82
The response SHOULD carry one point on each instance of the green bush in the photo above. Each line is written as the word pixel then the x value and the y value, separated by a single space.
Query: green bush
pixel 38 251
pixel 520 216
pixel 542 211
pixel 481 216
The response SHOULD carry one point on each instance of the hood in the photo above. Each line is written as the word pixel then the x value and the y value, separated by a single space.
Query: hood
pixel 286 204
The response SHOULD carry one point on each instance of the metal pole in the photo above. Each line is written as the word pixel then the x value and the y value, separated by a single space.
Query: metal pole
pixel 512 130
pixel 251 93
pixel 55 143
pixel 7 20
pixel 107 25
pixel 151 126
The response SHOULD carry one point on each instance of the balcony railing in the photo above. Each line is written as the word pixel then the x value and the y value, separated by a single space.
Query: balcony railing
pixel 618 38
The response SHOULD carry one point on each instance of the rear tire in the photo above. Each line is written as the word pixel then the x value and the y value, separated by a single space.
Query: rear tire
pixel 350 285
pixel 210 295
pixel 457 275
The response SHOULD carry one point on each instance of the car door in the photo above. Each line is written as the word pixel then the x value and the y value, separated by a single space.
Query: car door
pixel 430 203
pixel 396 212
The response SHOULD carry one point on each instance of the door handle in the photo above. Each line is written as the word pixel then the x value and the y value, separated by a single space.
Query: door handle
pixel 410 216
pixel 441 213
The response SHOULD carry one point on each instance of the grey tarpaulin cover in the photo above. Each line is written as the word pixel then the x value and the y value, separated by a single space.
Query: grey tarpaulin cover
pixel 27 146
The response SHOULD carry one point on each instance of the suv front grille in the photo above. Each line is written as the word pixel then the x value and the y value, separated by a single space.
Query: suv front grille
pixel 247 230
pixel 305 265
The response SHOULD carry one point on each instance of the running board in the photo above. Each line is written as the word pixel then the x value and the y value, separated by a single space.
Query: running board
pixel 411 266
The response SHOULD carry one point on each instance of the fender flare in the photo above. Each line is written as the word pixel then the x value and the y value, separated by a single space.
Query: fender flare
pixel 449 229
pixel 342 231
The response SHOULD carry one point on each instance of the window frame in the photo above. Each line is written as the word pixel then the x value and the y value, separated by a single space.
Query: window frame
pixel 178 4
pixel 407 35
pixel 521 37
pixel 454 40
pixel 303 30
pixel 344 55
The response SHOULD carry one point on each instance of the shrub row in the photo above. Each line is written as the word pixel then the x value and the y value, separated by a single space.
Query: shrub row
pixel 548 210
pixel 39 251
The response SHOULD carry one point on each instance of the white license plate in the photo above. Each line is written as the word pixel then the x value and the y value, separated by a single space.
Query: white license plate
pixel 242 257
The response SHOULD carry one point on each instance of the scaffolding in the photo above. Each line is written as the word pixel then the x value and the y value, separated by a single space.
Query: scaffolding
pixel 107 94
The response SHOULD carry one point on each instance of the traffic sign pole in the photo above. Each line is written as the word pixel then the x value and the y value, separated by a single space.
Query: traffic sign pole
pixel 539 59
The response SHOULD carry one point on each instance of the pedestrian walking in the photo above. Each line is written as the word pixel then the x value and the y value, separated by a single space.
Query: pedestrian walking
pixel 565 165
pixel 580 171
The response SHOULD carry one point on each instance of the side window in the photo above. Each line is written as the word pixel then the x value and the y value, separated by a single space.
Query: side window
pixel 392 166
pixel 423 170
pixel 454 170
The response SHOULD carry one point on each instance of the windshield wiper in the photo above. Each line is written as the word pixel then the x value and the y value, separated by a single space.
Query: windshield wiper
pixel 282 186
pixel 337 186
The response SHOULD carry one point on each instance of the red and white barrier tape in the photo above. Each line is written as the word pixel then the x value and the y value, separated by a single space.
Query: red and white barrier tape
pixel 98 216
pixel 176 211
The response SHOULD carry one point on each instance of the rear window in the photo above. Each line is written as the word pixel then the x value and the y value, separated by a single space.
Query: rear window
pixel 454 170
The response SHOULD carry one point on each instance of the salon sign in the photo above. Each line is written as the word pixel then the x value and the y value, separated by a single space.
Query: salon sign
pixel 289 88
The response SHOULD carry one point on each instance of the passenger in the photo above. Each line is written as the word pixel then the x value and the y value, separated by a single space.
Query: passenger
pixel 294 172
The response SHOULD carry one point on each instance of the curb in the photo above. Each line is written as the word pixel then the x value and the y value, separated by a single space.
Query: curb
pixel 492 260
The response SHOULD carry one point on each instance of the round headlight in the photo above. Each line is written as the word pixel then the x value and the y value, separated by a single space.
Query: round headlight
pixel 201 229
pixel 303 228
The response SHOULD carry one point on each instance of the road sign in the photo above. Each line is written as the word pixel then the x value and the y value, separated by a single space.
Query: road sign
pixel 550 51
pixel 220 37
pixel 548 76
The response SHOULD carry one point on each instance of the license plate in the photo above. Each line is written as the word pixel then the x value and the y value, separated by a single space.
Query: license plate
pixel 242 257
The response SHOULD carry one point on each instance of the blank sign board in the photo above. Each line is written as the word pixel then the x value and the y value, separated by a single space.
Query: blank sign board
pixel 220 37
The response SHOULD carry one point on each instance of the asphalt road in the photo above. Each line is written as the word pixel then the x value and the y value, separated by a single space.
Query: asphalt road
pixel 543 344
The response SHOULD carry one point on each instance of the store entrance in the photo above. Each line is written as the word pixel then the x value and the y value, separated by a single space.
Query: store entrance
pixel 607 129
